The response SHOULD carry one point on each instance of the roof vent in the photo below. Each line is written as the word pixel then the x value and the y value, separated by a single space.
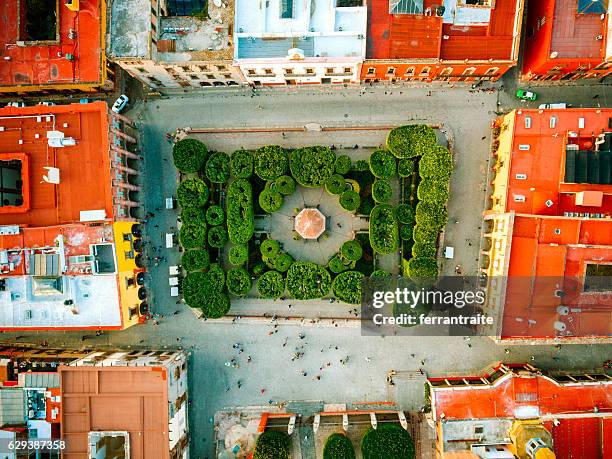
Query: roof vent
pixel 554 54
pixel 557 231
pixel 549 203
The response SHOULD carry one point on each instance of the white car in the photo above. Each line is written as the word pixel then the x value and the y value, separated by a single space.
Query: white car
pixel 556 105
pixel 46 103
pixel 16 104
pixel 120 103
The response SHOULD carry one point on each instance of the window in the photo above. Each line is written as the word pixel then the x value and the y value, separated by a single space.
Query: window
pixel 348 70
pixel 11 192
pixel 492 71
pixel 425 71
pixel 142 70
pixel 597 278
pixel 210 76
pixel 390 70
pixel 184 84
pixel 205 83
pixel 193 77
pixel 250 71
pixel 409 72
pixel 371 70
pixel 528 122
pixel 469 71
pixel 478 430
pixel 268 72
pixel 446 71
pixel 310 71
pixel 185 68
pixel 329 70
pixel 289 71
pixel 221 68
pixel 203 68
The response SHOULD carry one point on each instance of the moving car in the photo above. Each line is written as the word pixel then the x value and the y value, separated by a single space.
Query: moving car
pixel 120 103
pixel 523 94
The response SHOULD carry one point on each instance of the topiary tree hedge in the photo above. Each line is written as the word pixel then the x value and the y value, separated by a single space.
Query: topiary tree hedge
pixel 351 250
pixel 431 215
pixel 387 441
pixel 240 218
pixel 282 262
pixel 306 280
pixel 381 274
pixel 384 232
pixel 217 237
pixel 193 216
pixel 422 268
pixel 405 167
pixel 205 291
pixel 241 164
pixel 271 285
pixel 189 155
pixel 312 166
pixel 411 140
pixel 424 234
pixel 270 200
pixel 381 191
pixel 269 248
pixel 361 165
pixel 405 233
pixel 404 214
pixel 192 192
pixel 272 444
pixel 343 164
pixel 336 264
pixel 218 167
pixel 350 201
pixel 335 184
pixel 271 162
pixel 238 254
pixel 285 185
pixel 382 164
pixel 437 164
pixel 215 215
pixel 238 281
pixel 338 446
pixel 424 249
pixel 192 236
pixel 435 191
pixel 195 260
pixel 347 287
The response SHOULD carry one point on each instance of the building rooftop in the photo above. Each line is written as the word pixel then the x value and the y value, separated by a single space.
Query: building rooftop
pixel 51 46
pixel 26 153
pixel 319 28
pixel 462 31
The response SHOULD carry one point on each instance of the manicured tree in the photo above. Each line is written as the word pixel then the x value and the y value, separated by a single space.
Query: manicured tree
pixel 215 215
pixel 306 281
pixel 336 265
pixel 269 248
pixel 192 192
pixel 405 233
pixel 241 164
pixel 312 166
pixel 270 200
pixel 193 216
pixel 411 140
pixel 271 162
pixel 424 234
pixel 424 249
pixel 238 281
pixel 437 164
pixel 205 291
pixel 273 444
pixel 404 214
pixel 195 260
pixel 435 191
pixel 425 267
pixel 282 262
pixel 382 164
pixel 350 200
pixel 362 165
pixel 217 237
pixel 218 167
pixel 387 441
pixel 238 254
pixel 271 285
pixel 351 250
pixel 216 306
pixel 347 287
pixel 285 185
pixel 343 164
pixel 335 184
pixel 384 232
pixel 381 191
pixel 405 167
pixel 189 155
pixel 338 446
pixel 381 274
pixel 240 218
pixel 192 236
pixel 431 215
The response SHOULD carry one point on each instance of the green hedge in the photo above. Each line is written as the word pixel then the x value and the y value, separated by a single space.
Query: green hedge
pixel 381 191
pixel 271 285
pixel 362 165
pixel 387 441
pixel 335 184
pixel 192 192
pixel 436 164
pixel 343 164
pixel 273 444
pixel 336 264
pixel 312 166
pixel 306 281
pixel 241 164
pixel 425 267
pixel 431 215
pixel 271 162
pixel 285 185
pixel 193 216
pixel 238 254
pixel 347 287
pixel 269 248
pixel 205 291
pixel 435 191
pixel 215 215
pixel 338 446
pixel 282 262
pixel 405 167
pixel 217 237
pixel 404 214
pixel 405 233
pixel 218 167
pixel 238 281
pixel 192 236
pixel 195 260
pixel 382 164
pixel 424 249
pixel 384 237
pixel 424 234
pixel 189 155
pixel 240 219
pixel 351 250
pixel 270 200
pixel 411 140
pixel 350 200
pixel 381 274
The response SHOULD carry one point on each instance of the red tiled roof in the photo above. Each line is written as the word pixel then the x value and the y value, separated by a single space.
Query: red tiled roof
pixel 575 35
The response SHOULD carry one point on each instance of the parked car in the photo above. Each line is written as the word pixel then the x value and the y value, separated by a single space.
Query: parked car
pixel 523 94
pixel 46 103
pixel 554 105
pixel 120 103
pixel 85 101
pixel 16 104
